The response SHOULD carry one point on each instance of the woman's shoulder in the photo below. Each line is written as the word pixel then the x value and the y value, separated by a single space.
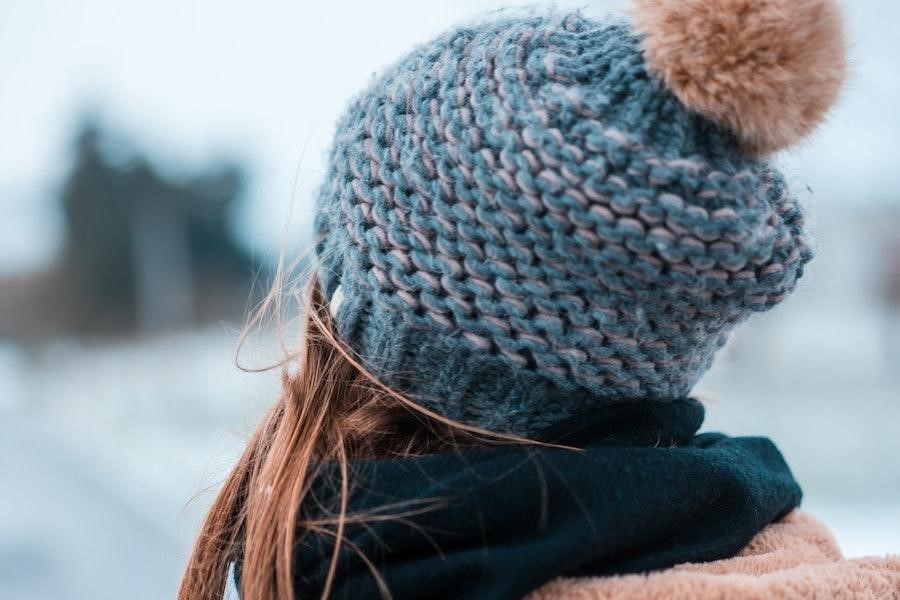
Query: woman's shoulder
pixel 794 557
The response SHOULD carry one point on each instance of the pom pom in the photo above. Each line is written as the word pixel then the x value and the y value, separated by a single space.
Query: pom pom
pixel 767 69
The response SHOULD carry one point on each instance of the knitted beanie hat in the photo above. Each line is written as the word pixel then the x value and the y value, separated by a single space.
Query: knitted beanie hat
pixel 529 218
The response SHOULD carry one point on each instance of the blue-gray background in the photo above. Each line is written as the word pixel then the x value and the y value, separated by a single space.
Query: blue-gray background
pixel 117 409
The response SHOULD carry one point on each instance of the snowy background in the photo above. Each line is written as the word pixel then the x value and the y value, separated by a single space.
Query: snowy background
pixel 111 446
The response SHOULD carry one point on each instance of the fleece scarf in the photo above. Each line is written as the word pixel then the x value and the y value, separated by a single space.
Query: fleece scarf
pixel 796 557
pixel 640 492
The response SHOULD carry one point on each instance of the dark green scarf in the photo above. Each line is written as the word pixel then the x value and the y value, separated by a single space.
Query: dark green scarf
pixel 644 493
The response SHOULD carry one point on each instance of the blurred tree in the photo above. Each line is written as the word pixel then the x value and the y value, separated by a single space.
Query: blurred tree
pixel 144 251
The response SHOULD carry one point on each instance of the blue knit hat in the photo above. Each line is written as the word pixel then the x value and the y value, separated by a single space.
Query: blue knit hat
pixel 525 219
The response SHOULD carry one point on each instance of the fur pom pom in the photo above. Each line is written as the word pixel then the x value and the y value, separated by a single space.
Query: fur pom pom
pixel 768 69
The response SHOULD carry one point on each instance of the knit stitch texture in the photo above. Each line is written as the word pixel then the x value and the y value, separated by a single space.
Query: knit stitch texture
pixel 526 224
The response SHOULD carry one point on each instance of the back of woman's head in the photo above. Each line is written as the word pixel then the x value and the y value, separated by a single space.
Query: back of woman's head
pixel 523 221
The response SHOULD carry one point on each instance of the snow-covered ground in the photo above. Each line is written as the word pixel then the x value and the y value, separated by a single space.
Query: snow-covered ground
pixel 110 456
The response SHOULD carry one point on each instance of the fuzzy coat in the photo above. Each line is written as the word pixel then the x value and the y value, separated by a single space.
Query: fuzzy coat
pixel 796 557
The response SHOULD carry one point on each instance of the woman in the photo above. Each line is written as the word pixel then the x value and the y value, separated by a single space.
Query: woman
pixel 534 235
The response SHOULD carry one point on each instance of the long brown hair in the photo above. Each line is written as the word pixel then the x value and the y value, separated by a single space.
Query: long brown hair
pixel 331 411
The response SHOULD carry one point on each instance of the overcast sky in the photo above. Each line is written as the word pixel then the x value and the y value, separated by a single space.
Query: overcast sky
pixel 194 79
